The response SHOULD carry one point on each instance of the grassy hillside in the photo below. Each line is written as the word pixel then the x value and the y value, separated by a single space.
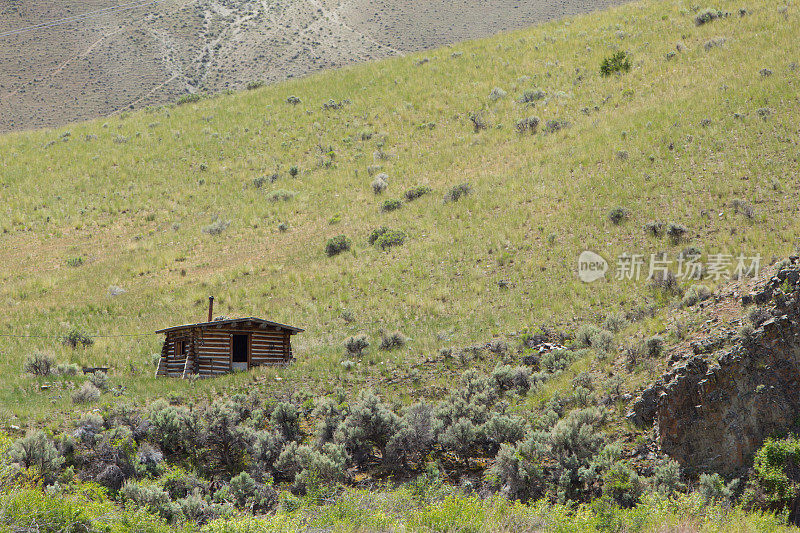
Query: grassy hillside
pixel 706 115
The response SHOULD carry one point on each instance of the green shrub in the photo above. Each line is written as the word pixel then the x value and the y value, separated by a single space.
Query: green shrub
pixel 376 233
pixel 380 183
pixel 67 369
pixel 88 393
pixel 556 360
pixel 413 441
pixel 293 100
pixel 623 484
pixel 391 205
pixel 392 340
pixel 254 84
pixel 416 192
pixel 369 423
pixel 356 344
pixel 249 494
pixel 478 122
pixel 653 346
pixel 390 238
pixel 217 227
pixel 774 480
pixel 528 125
pixel 654 229
pixel 676 232
pixel 337 245
pixel 99 379
pixel 76 338
pixel 497 94
pixel 555 125
pixel 696 293
pixel 615 322
pixel 459 438
pixel 531 96
pixel 286 420
pixel 281 195
pixel 708 15
pixel 714 490
pixel 39 364
pixel 618 215
pixel 457 192
pixel 616 63
pixel 151 497
pixel 294 171
pixel 188 99
pixel 37 450
pixel 226 439
pixel 667 478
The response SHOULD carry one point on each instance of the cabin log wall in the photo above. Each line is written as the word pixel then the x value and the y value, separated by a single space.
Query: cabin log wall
pixel 209 350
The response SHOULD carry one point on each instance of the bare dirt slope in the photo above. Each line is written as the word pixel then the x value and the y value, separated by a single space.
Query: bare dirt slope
pixel 112 55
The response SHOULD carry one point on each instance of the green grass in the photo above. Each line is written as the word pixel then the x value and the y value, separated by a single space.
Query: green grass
pixel 134 211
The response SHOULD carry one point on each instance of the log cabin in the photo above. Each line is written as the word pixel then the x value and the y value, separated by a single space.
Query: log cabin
pixel 221 346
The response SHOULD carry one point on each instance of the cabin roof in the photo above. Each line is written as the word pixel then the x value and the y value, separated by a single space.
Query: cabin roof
pixel 233 322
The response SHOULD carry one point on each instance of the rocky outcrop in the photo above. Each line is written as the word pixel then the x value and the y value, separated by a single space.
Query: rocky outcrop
pixel 714 415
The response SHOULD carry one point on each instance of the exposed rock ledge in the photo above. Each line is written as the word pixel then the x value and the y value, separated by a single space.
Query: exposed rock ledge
pixel 714 415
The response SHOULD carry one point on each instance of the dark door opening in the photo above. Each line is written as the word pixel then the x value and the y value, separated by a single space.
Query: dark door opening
pixel 239 351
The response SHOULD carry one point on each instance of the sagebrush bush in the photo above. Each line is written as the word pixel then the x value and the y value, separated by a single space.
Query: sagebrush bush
pixel 414 438
pixel 713 488
pixel 39 364
pixel 457 192
pixel 286 420
pixel 88 393
pixel 217 227
pixel 356 344
pixel 416 192
pixel 459 438
pixel 496 94
pixel 758 315
pixel 37 450
pixel 666 282
pixel 99 379
pixel 653 346
pixel 615 322
pixel 67 369
pixel 667 477
pixel 555 125
pixel 281 195
pixel 337 245
pixel 707 15
pixel 655 228
pixel 390 238
pixel 293 100
pixel 532 96
pixel 616 63
pixel 369 423
pixel 618 215
pixel 696 293
pixel 556 360
pixel 478 122
pixel 379 184
pixel 251 495
pixel 391 205
pixel 392 340
pixel 76 338
pixel 528 125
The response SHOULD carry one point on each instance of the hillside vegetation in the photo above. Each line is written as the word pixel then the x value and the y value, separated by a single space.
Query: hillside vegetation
pixel 72 60
pixel 436 205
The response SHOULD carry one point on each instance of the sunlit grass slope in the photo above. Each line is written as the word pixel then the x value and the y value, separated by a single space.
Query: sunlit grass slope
pixel 707 114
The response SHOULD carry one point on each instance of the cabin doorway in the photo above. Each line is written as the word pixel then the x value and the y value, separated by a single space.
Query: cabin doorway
pixel 239 352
